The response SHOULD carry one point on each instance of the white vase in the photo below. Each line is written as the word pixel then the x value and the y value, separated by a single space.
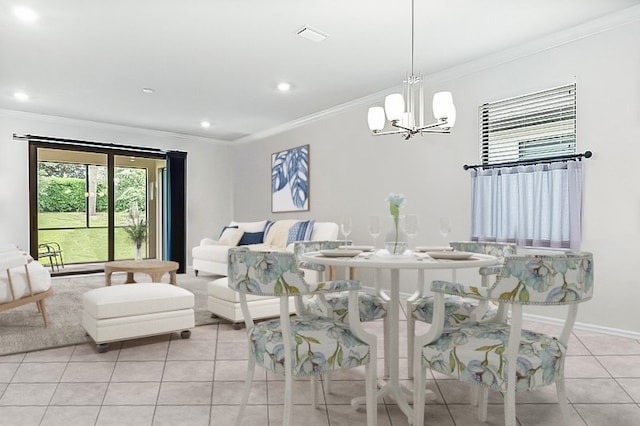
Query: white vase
pixel 395 238
pixel 137 251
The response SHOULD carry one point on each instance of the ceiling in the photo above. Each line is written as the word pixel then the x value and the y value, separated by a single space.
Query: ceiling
pixel 221 60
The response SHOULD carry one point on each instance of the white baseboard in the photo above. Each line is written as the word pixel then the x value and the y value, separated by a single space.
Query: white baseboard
pixel 584 326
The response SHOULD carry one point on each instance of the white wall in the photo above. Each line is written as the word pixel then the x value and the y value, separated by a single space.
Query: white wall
pixel 352 172
pixel 209 176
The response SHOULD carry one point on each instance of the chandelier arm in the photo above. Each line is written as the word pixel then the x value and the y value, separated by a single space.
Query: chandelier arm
pixel 441 123
pixel 395 123
pixel 388 132
pixel 446 130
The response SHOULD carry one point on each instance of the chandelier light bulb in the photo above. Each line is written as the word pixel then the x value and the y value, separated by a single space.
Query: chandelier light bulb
pixel 442 105
pixel 376 118
pixel 451 118
pixel 394 106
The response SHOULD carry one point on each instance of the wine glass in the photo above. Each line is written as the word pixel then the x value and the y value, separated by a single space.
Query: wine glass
pixel 375 228
pixel 345 228
pixel 411 227
pixel 445 227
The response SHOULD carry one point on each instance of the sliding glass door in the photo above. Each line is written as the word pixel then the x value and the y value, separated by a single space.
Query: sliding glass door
pixel 86 200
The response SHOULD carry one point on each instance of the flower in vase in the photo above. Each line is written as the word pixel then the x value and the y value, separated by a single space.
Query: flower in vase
pixel 395 201
pixel 137 228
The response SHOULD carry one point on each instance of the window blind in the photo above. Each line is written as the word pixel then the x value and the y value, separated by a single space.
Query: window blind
pixel 535 126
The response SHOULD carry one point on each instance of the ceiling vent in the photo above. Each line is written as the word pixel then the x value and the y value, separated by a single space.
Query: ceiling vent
pixel 311 34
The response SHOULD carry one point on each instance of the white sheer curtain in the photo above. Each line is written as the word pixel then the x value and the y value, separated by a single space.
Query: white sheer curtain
pixel 537 205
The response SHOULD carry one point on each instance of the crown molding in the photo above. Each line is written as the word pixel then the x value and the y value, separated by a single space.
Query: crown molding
pixel 88 124
pixel 552 41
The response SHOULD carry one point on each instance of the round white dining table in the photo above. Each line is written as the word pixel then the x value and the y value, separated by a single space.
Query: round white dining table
pixel 382 260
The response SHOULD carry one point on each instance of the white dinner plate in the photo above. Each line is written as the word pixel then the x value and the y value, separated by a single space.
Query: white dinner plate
pixel 450 255
pixel 433 248
pixel 354 247
pixel 340 253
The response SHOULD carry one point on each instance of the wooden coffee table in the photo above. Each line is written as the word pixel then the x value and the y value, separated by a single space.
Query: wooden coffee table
pixel 152 267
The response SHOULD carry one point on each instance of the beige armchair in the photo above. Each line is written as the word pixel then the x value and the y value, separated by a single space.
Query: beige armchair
pixel 24 281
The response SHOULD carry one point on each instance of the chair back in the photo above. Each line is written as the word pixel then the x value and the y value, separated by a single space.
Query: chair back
pixel 545 280
pixel 266 273
pixel 490 248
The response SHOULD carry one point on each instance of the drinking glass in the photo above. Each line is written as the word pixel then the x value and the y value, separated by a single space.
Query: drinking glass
pixel 445 228
pixel 411 227
pixel 345 228
pixel 375 228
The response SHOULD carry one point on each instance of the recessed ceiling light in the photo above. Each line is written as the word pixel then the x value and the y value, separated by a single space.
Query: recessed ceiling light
pixel 284 86
pixel 148 90
pixel 21 96
pixel 25 14
pixel 311 34
pixel 205 124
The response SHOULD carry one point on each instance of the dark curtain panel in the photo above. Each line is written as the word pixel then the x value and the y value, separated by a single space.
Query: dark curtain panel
pixel 176 208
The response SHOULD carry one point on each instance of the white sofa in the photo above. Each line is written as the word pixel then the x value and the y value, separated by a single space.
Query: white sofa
pixel 212 257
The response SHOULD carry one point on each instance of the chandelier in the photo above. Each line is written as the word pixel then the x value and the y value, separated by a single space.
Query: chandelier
pixel 406 113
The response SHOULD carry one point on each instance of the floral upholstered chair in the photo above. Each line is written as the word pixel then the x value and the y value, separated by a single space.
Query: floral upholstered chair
pixel 458 310
pixel 499 355
pixel 372 306
pixel 299 345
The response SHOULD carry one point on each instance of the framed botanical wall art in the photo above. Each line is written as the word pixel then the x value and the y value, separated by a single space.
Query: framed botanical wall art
pixel 290 180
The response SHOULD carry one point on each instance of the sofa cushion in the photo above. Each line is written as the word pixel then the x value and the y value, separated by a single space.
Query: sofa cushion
pixel 230 237
pixel 251 238
pixel 279 233
pixel 38 276
pixel 250 226
pixel 324 231
pixel 300 231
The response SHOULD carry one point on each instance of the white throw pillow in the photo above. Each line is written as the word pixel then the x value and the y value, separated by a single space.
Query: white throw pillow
pixel 231 237
pixel 250 226
pixel 279 233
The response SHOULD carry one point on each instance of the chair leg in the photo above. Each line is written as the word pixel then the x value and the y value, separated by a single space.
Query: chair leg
pixel 314 391
pixel 510 406
pixel 327 381
pixel 473 395
pixel 386 343
pixel 411 334
pixel 482 400
pixel 288 398
pixel 371 393
pixel 562 401
pixel 43 309
pixel 247 389
pixel 418 394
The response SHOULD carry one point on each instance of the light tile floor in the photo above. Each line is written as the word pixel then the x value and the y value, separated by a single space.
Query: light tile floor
pixel 169 381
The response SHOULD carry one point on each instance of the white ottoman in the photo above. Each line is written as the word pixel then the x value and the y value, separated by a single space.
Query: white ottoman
pixel 136 310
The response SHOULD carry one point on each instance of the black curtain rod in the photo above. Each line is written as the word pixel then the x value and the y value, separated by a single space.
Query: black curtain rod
pixel 586 154
pixel 79 142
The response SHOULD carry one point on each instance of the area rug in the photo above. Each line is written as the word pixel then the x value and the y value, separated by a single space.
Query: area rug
pixel 22 328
